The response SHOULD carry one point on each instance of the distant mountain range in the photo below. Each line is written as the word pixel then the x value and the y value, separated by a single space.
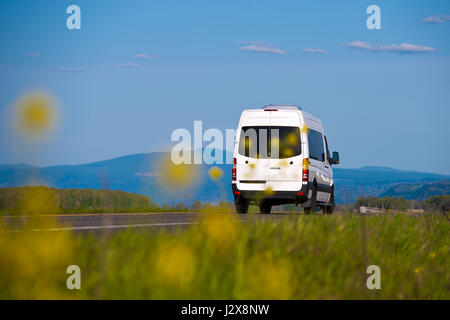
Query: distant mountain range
pixel 418 190
pixel 138 173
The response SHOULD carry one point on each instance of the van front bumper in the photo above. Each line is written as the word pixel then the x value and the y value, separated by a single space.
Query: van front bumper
pixel 276 197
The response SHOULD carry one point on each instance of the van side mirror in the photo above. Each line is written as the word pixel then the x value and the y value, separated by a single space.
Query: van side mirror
pixel 335 158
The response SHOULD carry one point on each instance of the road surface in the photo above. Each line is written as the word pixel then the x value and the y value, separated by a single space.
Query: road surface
pixel 122 221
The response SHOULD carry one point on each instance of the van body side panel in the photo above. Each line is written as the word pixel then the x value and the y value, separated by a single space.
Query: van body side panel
pixel 328 172
pixel 317 170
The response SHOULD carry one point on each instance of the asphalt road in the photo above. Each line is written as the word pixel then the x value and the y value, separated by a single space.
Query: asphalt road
pixel 122 221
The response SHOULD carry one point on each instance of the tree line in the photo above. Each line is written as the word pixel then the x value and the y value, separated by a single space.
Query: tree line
pixel 45 200
pixel 433 203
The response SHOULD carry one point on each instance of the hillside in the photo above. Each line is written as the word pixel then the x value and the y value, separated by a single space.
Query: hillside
pixel 140 173
pixel 419 191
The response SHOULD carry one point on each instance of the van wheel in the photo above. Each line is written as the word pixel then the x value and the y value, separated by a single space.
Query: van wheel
pixel 241 205
pixel 265 207
pixel 329 209
pixel 312 202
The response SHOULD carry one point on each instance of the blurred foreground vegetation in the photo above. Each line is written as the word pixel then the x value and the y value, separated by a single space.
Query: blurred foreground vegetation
pixel 298 257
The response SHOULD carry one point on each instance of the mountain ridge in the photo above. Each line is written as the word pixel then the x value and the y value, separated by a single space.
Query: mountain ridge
pixel 138 173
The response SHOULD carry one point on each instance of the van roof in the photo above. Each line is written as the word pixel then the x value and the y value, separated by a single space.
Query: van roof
pixel 310 120
pixel 283 107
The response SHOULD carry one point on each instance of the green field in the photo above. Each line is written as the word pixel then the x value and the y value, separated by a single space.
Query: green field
pixel 300 257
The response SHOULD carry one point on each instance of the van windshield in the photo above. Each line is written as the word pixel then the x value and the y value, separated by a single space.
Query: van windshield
pixel 270 142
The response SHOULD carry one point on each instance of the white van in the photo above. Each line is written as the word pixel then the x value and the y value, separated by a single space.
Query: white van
pixel 281 156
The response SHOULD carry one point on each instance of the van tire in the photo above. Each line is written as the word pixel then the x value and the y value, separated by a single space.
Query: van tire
pixel 329 209
pixel 312 202
pixel 265 207
pixel 241 205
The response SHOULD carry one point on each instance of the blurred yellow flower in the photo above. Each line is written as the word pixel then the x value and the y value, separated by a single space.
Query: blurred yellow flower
pixel 418 270
pixel 248 144
pixel 268 279
pixel 38 200
pixel 215 173
pixel 292 139
pixel 268 191
pixel 283 163
pixel 35 115
pixel 33 264
pixel 305 129
pixel 221 231
pixel 288 152
pixel 175 264
pixel 432 255
pixel 177 176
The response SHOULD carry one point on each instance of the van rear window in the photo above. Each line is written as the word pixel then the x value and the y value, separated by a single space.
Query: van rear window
pixel 270 142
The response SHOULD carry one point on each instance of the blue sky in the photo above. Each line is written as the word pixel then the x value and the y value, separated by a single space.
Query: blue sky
pixel 382 95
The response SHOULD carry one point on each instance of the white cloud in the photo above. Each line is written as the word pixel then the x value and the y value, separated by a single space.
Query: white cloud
pixel 66 69
pixel 126 65
pixel 440 18
pixel 257 43
pixel 310 50
pixel 399 48
pixel 259 46
pixel 148 174
pixel 145 56
pixel 32 54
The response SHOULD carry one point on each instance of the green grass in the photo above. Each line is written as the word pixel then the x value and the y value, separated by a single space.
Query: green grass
pixel 300 257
